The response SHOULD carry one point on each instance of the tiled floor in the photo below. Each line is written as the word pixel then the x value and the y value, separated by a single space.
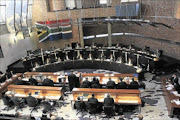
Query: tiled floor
pixel 155 108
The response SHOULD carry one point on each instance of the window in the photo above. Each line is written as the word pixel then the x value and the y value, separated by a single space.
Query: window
pixel 103 1
pixel 129 0
pixel 2 11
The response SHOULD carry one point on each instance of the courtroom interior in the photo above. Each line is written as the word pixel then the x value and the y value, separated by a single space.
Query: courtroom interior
pixel 89 59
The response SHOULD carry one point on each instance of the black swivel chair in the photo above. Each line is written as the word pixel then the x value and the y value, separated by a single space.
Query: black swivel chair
pixel 133 86
pixel 18 103
pixel 109 111
pixel 95 86
pixel 93 109
pixel 110 87
pixel 8 103
pixel 32 103
pixel 80 106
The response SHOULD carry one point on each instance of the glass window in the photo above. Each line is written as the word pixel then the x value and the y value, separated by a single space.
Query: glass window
pixel 129 0
pixel 2 11
pixel 103 1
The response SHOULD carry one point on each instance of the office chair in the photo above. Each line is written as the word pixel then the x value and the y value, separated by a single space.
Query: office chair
pixel 84 86
pixel 133 86
pixel 19 104
pixel 95 86
pixel 92 108
pixel 8 103
pixel 32 103
pixel 109 111
pixel 80 106
pixel 110 86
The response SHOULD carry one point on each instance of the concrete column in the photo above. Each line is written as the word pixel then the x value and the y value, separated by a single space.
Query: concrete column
pixel 81 40
pixel 109 35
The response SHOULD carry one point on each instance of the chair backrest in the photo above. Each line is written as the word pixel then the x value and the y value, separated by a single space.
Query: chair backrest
pixel 133 86
pixel 31 102
pixel 16 102
pixel 110 86
pixel 108 110
pixel 92 107
pixel 80 105
pixel 6 101
pixel 84 86
pixel 95 86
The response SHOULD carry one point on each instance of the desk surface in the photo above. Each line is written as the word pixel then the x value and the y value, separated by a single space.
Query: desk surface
pixel 128 97
pixel 3 88
pixel 22 91
pixel 169 97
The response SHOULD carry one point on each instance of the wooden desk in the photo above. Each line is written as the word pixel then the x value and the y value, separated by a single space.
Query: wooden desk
pixel 50 93
pixel 37 75
pixel 123 96
pixel 3 88
pixel 104 78
pixel 168 96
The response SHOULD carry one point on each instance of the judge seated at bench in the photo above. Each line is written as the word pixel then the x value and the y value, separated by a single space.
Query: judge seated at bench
pixel 86 82
pixel 110 84
pixel 95 83
pixel 48 82
pixel 20 81
pixel 32 81
pixel 133 84
pixel 121 84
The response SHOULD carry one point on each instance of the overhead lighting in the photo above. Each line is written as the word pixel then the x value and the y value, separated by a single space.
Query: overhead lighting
pixel 89 37
pixel 101 35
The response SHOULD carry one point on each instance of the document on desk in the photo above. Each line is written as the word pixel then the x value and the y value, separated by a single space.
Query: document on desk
pixel 20 95
pixel 177 102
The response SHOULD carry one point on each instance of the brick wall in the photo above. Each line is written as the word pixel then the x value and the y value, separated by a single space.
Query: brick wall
pixel 149 10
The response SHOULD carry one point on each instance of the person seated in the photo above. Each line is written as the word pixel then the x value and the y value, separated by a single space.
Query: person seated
pixel 133 84
pixel 95 81
pixel 174 79
pixel 79 104
pixel 111 84
pixel 87 82
pixel 48 82
pixel 95 85
pixel 108 101
pixel 93 100
pixel 31 98
pixel 122 84
pixel 20 81
pixel 177 87
pixel 32 81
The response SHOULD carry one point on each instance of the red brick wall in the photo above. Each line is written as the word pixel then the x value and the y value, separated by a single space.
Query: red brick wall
pixel 150 8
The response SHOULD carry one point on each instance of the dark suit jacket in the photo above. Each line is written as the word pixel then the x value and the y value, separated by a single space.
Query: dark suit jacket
pixel 48 82
pixel 111 83
pixel 133 85
pixel 87 83
pixel 79 105
pixel 32 101
pixel 33 81
pixel 108 102
pixel 95 81
pixel 93 100
pixel 122 85
pixel 20 82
